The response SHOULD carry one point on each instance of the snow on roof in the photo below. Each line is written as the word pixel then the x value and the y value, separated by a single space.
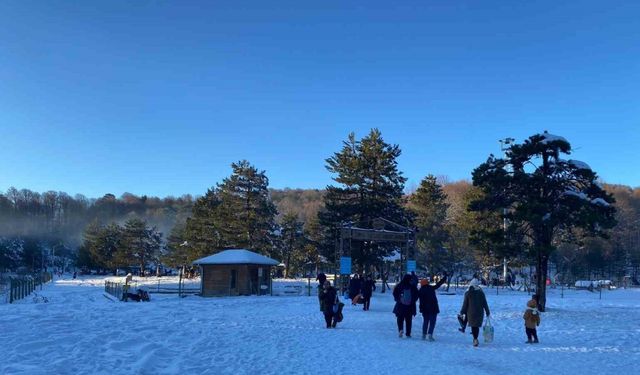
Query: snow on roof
pixel 600 201
pixel 237 256
pixel 552 138
pixel 579 164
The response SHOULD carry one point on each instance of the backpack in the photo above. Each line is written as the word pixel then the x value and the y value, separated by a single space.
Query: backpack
pixel 405 298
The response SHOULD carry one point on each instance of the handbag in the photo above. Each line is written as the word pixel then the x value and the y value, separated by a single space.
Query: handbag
pixel 336 305
pixel 487 331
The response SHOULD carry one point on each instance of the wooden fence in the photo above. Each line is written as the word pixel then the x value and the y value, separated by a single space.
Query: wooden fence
pixel 23 286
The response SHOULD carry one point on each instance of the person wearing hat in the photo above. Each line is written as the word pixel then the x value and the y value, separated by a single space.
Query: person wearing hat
pixel 532 320
pixel 429 306
pixel 473 308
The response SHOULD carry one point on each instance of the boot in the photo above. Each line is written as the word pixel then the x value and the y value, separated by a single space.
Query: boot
pixel 475 342
pixel 528 342
pixel 535 341
pixel 431 338
pixel 400 333
pixel 424 337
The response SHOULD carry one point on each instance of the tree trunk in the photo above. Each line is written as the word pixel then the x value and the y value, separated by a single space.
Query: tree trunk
pixel 286 269
pixel 541 278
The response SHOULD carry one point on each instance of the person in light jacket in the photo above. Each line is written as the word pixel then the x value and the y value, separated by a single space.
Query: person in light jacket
pixel 531 320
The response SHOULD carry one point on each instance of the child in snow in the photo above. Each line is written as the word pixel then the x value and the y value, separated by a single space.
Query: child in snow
pixel 531 321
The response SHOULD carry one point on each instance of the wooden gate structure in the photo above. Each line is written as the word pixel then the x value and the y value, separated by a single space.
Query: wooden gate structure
pixel 374 230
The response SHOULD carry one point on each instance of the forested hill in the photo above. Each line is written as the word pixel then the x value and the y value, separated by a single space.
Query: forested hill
pixel 60 217
pixel 303 202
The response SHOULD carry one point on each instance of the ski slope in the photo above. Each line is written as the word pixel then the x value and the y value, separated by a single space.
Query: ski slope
pixel 80 331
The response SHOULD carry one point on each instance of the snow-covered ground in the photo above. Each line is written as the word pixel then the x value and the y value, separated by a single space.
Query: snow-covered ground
pixel 80 331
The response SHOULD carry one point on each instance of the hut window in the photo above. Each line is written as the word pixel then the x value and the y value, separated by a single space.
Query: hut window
pixel 234 276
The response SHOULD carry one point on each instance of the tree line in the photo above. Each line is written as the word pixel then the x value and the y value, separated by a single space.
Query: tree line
pixel 532 206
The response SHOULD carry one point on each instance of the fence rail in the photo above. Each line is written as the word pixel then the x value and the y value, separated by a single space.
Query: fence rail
pixel 23 286
pixel 113 288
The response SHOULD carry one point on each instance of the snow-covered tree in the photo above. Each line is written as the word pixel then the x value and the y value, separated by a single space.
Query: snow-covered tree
pixel 548 200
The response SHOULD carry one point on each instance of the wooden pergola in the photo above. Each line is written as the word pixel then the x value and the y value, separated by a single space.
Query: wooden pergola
pixel 375 230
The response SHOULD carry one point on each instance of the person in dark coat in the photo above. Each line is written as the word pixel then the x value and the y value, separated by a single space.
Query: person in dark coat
pixel 368 286
pixel 329 297
pixel 429 306
pixel 355 284
pixel 321 279
pixel 405 294
pixel 414 279
pixel 474 307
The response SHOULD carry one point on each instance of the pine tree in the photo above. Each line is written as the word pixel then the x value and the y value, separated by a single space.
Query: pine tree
pixel 141 243
pixel 292 237
pixel 246 209
pixel 429 207
pixel 104 245
pixel 370 186
pixel 548 200
pixel 202 231
pixel 238 213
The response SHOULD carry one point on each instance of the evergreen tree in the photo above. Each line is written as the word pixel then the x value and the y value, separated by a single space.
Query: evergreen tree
pixel 104 244
pixel 10 252
pixel 202 232
pixel 546 199
pixel 429 206
pixel 238 213
pixel 246 209
pixel 370 186
pixel 177 251
pixel 292 237
pixel 141 243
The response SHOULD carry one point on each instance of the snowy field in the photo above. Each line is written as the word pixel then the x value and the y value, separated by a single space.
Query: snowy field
pixel 80 331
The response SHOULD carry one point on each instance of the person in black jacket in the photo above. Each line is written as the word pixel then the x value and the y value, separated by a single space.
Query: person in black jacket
pixel 368 286
pixel 429 306
pixel 329 296
pixel 405 294
pixel 355 284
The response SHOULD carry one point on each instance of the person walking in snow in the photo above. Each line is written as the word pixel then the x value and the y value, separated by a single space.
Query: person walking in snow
pixel 368 286
pixel 414 279
pixel 473 308
pixel 329 296
pixel 532 320
pixel 405 294
pixel 321 279
pixel 355 284
pixel 429 306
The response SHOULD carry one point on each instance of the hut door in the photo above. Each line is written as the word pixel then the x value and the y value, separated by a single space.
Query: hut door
pixel 254 281
pixel 233 283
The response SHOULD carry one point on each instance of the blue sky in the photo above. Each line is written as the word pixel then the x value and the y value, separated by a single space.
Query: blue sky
pixel 159 97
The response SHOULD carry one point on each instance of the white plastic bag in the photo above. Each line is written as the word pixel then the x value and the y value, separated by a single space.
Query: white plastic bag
pixel 487 331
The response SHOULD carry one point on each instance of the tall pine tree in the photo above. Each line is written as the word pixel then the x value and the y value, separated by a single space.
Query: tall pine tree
pixel 429 206
pixel 369 186
pixel 238 213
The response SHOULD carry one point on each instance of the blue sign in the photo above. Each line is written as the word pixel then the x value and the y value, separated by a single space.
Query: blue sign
pixel 411 266
pixel 345 265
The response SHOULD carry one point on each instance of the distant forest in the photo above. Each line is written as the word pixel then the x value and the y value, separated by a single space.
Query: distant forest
pixel 57 221
pixel 557 212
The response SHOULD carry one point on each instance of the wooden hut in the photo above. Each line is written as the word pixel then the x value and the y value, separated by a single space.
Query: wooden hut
pixel 235 272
